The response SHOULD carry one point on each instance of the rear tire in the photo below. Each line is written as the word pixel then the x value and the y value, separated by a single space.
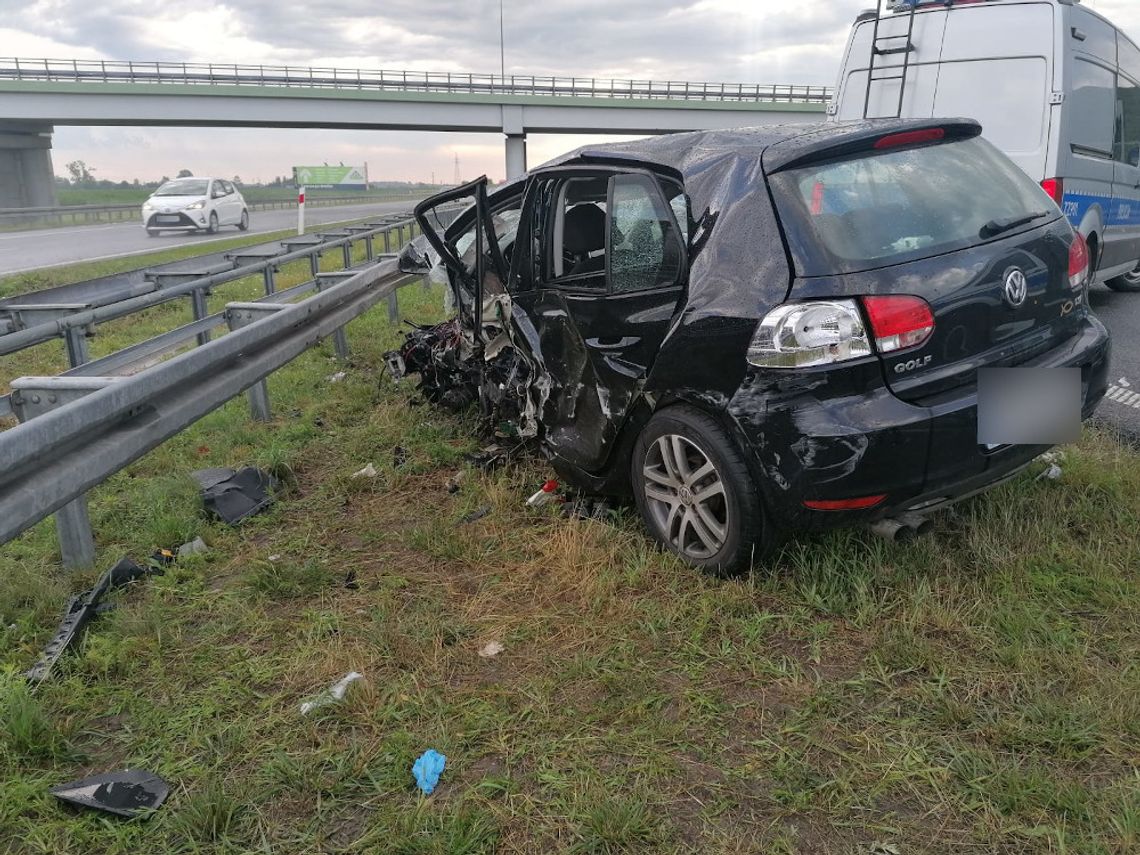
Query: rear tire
pixel 1129 283
pixel 243 224
pixel 696 495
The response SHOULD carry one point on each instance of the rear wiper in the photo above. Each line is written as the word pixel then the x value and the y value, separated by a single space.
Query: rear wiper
pixel 996 227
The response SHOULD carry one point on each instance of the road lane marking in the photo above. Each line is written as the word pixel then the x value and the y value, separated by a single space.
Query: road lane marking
pixel 1122 394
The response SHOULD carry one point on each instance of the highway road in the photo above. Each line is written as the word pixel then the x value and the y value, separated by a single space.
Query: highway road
pixel 1121 314
pixel 30 250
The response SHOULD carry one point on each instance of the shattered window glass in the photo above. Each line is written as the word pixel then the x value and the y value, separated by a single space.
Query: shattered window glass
pixel 506 224
pixel 645 245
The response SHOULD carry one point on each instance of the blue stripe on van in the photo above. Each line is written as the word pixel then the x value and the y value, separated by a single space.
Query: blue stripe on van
pixel 1117 212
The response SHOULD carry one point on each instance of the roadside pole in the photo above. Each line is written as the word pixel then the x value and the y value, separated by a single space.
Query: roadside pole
pixel 300 210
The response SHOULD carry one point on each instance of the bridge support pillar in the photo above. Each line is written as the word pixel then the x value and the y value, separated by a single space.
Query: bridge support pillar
pixel 26 176
pixel 516 155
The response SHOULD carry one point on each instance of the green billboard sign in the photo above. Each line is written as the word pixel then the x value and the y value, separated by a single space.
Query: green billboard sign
pixel 330 176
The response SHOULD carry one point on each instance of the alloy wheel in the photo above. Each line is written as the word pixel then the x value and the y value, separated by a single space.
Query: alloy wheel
pixel 685 495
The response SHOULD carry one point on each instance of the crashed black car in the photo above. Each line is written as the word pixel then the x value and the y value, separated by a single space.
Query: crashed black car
pixel 762 330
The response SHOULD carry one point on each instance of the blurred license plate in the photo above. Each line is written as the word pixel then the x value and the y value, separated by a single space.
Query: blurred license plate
pixel 1028 406
pixel 174 219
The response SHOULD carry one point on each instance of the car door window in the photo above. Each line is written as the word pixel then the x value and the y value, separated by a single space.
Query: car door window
pixel 576 256
pixel 646 245
pixel 505 221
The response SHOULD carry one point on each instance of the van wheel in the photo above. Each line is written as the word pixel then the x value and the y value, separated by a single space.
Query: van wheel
pixel 1128 283
pixel 243 224
pixel 696 495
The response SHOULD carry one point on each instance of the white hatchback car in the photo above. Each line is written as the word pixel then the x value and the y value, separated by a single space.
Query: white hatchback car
pixel 195 204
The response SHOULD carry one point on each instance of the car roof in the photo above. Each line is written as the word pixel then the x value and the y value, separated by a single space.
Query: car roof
pixel 775 147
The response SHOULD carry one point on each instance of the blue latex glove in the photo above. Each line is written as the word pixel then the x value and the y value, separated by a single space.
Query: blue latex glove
pixel 427 770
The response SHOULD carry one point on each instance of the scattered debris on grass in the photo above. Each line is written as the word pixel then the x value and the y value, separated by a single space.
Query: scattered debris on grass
pixel 129 793
pixel 588 508
pixel 546 494
pixel 399 456
pixel 233 495
pixel 476 515
pixel 493 456
pixel 368 471
pixel 491 649
pixel 1053 473
pixel 197 546
pixel 350 580
pixel 333 694
pixel 80 610
pixel 427 770
pixel 336 378
pixel 161 557
pixel 456 481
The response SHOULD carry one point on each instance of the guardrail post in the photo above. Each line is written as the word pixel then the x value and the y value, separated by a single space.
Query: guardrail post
pixel 77 351
pixel 393 298
pixel 339 336
pixel 240 315
pixel 198 302
pixel 34 396
pixel 269 274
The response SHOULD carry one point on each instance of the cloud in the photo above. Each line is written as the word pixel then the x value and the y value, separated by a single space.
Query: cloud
pixel 750 41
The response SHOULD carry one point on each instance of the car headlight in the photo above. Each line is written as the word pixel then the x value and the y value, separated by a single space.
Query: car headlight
pixel 195 206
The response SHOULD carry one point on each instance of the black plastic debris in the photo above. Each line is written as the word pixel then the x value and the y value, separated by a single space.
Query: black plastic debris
pixel 232 495
pixel 476 515
pixel 495 455
pixel 129 793
pixel 588 508
pixel 80 610
pixel 399 456
pixel 350 580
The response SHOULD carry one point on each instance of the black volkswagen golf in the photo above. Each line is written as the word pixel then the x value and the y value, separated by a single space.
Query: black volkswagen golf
pixel 761 330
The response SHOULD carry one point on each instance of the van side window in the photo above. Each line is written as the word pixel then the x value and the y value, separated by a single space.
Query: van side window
pixel 1093 108
pixel 1127 144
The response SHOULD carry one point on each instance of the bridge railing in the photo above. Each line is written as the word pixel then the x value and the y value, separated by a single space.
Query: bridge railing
pixel 216 74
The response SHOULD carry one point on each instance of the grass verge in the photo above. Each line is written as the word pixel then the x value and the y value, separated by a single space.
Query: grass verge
pixel 975 691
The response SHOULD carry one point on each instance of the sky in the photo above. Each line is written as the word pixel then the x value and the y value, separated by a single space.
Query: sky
pixel 730 41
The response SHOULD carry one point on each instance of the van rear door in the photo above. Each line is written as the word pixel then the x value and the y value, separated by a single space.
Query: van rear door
pixel 922 77
pixel 997 68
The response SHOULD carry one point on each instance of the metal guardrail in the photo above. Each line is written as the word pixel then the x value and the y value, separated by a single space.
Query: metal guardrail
pixel 82 430
pixel 81 427
pixel 119 213
pixel 218 74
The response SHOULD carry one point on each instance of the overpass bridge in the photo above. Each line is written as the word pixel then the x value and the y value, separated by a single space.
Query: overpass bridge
pixel 36 95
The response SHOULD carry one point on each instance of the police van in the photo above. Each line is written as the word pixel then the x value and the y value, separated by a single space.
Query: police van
pixel 1054 84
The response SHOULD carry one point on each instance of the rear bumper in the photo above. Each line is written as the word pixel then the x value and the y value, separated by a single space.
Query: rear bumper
pixel 857 443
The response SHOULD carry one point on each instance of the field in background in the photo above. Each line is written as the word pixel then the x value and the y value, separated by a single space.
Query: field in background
pixel 976 691
pixel 138 195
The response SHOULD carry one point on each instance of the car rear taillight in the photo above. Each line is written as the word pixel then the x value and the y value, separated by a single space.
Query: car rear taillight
pixel 899 321
pixel 801 335
pixel 1055 187
pixel 1079 262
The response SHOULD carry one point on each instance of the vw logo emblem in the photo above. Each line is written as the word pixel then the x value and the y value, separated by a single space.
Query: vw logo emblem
pixel 1016 287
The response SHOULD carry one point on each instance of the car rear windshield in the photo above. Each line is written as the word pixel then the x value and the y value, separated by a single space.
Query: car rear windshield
pixel 186 187
pixel 898 205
